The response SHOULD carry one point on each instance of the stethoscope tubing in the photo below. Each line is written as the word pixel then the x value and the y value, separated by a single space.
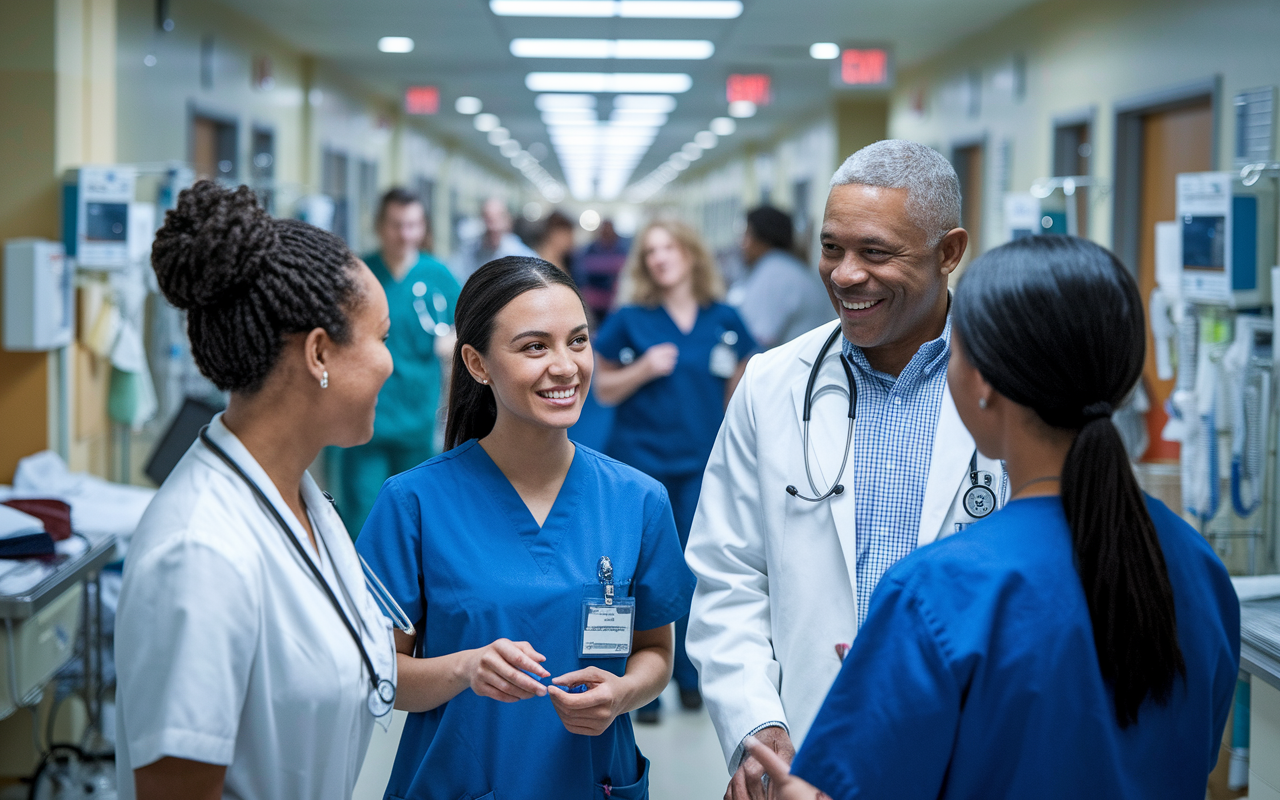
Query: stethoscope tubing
pixel 807 413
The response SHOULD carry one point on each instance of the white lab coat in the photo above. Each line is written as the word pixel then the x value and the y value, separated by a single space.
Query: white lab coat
pixel 227 649
pixel 776 588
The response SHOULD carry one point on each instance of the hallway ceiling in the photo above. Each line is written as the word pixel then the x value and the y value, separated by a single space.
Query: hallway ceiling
pixel 463 47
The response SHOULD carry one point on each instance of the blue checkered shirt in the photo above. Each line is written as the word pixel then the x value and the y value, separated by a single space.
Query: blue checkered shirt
pixel 892 448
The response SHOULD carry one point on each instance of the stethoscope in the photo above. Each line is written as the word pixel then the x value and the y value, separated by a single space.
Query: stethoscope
pixel 979 499
pixel 430 322
pixel 382 695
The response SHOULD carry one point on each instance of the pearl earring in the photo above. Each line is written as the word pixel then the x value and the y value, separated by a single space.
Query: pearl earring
pixel 982 402
pixel 324 379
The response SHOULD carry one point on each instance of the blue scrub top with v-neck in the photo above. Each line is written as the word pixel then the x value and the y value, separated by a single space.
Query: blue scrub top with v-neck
pixel 669 425
pixel 461 553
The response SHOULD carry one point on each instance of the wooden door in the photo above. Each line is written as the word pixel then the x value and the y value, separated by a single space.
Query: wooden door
pixel 1174 141
pixel 204 147
pixel 970 169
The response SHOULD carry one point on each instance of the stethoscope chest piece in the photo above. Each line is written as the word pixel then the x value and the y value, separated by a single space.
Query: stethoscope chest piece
pixel 382 698
pixel 980 498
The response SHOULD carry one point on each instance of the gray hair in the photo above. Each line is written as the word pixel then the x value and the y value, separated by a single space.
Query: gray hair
pixel 933 190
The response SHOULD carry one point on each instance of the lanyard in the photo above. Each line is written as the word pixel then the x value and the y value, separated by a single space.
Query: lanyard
pixel 383 693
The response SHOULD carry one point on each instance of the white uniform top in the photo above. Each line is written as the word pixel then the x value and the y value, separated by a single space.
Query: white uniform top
pixel 227 649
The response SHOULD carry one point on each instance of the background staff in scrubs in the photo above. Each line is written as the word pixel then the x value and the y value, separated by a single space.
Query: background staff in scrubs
pixel 1084 641
pixel 494 546
pixel 669 358
pixel 421 293
pixel 237 677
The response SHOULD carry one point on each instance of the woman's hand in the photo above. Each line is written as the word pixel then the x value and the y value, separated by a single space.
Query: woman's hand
pixel 497 671
pixel 593 711
pixel 660 360
pixel 782 784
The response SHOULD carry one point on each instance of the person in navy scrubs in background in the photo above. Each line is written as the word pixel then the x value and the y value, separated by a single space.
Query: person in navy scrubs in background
pixel 1082 642
pixel 505 548
pixel 669 358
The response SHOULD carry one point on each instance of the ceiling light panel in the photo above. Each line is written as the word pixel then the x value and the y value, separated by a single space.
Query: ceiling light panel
pixel 664 104
pixel 395 44
pixel 824 51
pixel 677 49
pixel 557 102
pixel 618 82
pixel 468 105
pixel 648 9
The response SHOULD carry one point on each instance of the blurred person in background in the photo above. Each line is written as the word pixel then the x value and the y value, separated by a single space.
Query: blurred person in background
pixel 553 240
pixel 780 297
pixel 669 358
pixel 498 240
pixel 597 267
pixel 421 293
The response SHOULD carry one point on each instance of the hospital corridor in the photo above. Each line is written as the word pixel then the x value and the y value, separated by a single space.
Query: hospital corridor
pixel 639 399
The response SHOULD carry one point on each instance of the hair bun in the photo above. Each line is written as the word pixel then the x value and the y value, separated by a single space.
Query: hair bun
pixel 214 244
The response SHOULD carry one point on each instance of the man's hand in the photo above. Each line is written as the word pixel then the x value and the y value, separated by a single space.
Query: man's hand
pixel 746 783
pixel 782 784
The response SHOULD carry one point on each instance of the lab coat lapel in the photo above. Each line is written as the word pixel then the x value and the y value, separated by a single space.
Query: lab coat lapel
pixel 948 467
pixel 828 429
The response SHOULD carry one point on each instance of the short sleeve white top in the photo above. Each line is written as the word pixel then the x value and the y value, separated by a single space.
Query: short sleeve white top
pixel 228 651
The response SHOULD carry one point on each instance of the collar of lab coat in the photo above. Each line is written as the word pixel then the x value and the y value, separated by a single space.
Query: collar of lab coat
pixel 948 466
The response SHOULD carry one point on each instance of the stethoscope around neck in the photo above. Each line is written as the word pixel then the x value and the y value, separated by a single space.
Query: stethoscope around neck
pixel 382 695
pixel 979 499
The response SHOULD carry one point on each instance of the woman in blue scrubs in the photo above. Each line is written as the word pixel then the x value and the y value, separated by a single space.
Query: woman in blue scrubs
pixel 517 552
pixel 668 359
pixel 1084 641
pixel 421 293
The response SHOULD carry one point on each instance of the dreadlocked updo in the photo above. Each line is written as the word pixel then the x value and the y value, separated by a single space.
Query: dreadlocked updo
pixel 248 280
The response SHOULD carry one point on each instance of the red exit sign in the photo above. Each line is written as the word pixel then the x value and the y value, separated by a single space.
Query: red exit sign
pixel 754 88
pixel 421 100
pixel 863 67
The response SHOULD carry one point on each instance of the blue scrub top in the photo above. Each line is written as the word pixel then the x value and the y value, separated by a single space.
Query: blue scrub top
pixel 975 675
pixel 669 425
pixel 410 399
pixel 460 552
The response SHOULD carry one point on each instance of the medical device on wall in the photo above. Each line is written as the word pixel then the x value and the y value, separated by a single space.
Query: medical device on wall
pixel 1228 239
pixel 1247 372
pixel 95 216
pixel 38 296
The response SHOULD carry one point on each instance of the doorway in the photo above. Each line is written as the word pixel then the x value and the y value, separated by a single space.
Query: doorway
pixel 213 147
pixel 1170 140
pixel 1072 153
pixel 970 163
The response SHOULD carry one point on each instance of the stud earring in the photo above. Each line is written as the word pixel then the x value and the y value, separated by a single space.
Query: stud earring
pixel 982 402
pixel 324 379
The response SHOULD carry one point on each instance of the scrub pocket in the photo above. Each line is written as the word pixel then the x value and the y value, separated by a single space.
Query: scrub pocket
pixel 636 791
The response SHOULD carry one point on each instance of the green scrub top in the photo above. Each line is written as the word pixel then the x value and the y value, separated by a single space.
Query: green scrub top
pixel 410 398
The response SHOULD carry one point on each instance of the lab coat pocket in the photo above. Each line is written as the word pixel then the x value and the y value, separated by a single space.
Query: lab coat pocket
pixel 636 791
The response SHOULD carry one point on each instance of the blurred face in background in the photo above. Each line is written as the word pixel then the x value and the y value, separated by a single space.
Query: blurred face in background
pixel 402 232
pixel 668 263
pixel 497 220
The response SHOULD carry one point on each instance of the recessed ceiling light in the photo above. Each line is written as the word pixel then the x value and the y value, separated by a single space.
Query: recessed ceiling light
pixel 621 82
pixel 824 51
pixel 742 109
pixel 499 135
pixel 556 102
pixel 705 139
pixel 723 126
pixel 691 151
pixel 663 104
pixel 468 105
pixel 510 148
pixel 691 49
pixel 395 44
pixel 486 122
pixel 653 9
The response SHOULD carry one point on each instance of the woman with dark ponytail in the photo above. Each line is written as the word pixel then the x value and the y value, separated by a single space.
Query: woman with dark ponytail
pixel 1083 642
pixel 247 646
pixel 544 578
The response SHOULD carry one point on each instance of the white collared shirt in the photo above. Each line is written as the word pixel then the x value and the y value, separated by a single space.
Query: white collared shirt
pixel 229 652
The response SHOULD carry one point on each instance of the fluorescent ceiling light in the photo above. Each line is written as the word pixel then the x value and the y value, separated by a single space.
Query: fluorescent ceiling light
pixel 510 148
pixel 691 151
pixel 824 51
pixel 639 121
pixel 468 105
pixel 704 139
pixel 486 122
pixel 680 164
pixel 742 109
pixel 652 9
pixel 557 102
pixel 499 135
pixel 723 126
pixel 620 82
pixel 570 116
pixel 662 103
pixel 395 44
pixel 690 49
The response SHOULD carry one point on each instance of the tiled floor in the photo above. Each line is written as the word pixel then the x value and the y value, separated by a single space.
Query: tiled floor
pixel 685 757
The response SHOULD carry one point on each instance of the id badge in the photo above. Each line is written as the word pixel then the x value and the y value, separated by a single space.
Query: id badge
pixel 606 629
pixel 724 360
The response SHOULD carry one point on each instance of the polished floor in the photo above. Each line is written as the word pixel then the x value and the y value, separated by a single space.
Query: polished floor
pixel 685 756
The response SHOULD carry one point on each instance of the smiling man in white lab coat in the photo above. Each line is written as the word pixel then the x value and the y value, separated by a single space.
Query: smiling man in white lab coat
pixel 783 580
